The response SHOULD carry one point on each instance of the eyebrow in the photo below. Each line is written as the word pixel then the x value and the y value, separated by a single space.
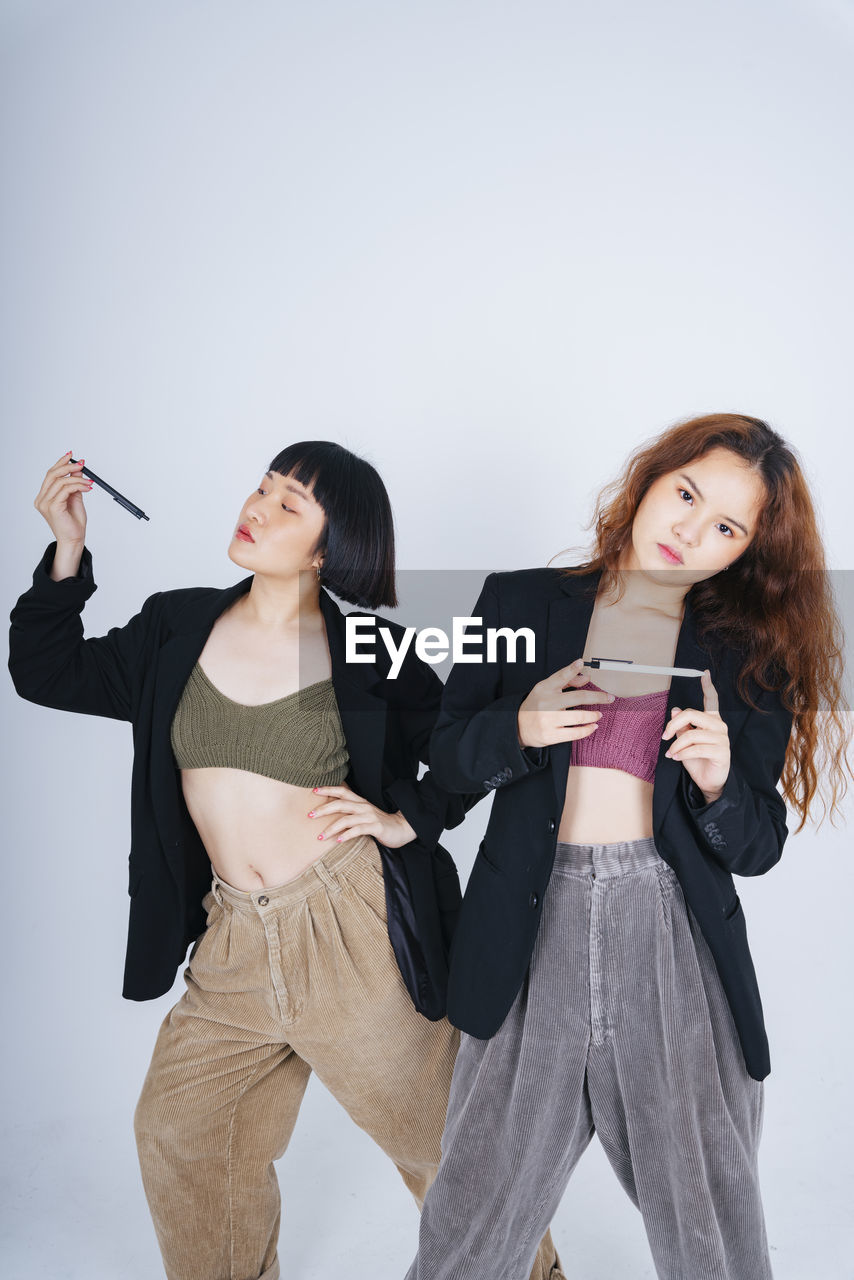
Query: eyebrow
pixel 727 519
pixel 292 487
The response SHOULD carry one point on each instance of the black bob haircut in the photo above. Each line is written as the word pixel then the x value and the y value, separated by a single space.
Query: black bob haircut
pixel 358 533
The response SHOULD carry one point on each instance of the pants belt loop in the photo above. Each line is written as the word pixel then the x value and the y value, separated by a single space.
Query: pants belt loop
pixel 328 878
pixel 215 889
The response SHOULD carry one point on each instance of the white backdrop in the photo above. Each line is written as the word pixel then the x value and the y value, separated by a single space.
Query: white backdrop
pixel 493 247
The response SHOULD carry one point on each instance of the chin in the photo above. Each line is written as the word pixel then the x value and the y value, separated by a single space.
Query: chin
pixel 667 575
pixel 235 549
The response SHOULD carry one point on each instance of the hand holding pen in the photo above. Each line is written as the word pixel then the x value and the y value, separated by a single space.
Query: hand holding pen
pixel 554 710
pixel 702 741
pixel 60 502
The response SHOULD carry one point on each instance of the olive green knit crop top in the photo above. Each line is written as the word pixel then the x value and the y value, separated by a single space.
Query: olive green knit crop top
pixel 297 739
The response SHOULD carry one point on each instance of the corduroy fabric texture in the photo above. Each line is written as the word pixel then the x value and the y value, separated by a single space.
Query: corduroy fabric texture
pixel 297 739
pixel 283 982
pixel 621 1028
pixel 628 736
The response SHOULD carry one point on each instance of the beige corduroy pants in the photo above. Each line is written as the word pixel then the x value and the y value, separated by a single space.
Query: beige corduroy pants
pixel 283 982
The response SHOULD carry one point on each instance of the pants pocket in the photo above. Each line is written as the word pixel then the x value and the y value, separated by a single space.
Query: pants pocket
pixel 366 879
pixel 210 960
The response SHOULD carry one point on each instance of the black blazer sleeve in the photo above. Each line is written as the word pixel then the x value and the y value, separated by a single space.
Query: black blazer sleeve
pixel 744 829
pixel 475 743
pixel 428 807
pixel 53 665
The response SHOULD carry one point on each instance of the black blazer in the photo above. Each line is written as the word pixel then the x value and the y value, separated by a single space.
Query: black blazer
pixel 475 743
pixel 137 672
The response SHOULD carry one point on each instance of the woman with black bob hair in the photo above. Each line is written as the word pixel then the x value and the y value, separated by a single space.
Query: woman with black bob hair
pixel 356 544
pixel 254 740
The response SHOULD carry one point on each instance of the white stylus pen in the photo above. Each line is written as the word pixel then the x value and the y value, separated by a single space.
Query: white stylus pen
pixel 617 664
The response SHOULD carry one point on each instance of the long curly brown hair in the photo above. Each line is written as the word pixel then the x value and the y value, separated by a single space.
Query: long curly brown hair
pixel 775 604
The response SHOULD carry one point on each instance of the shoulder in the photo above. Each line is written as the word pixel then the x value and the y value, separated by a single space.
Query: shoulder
pixel 528 588
pixel 521 586
pixel 180 608
pixel 394 627
pixel 398 673
pixel 176 599
pixel 345 620
pixel 372 624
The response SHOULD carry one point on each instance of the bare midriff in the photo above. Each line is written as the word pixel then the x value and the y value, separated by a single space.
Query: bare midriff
pixel 256 830
pixel 604 805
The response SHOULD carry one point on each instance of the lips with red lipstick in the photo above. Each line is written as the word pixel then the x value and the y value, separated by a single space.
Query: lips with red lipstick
pixel 669 554
pixel 243 534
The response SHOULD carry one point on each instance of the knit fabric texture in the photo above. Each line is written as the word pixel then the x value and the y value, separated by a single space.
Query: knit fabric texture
pixel 297 739
pixel 629 734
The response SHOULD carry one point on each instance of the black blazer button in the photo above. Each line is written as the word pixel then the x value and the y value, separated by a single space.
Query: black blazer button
pixel 551 824
pixel 534 900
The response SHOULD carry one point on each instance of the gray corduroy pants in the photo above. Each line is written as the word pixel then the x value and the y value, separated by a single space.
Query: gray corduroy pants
pixel 620 1028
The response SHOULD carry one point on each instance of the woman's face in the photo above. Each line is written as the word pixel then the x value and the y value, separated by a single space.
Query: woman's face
pixel 284 523
pixel 707 513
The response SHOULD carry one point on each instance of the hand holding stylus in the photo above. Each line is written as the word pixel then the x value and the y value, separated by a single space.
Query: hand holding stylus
pixel 702 741
pixel 548 713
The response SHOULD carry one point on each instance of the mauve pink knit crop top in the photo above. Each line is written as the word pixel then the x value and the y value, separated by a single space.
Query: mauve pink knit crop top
pixel 629 734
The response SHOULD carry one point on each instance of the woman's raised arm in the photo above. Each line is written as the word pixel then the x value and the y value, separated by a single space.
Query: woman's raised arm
pixel 49 660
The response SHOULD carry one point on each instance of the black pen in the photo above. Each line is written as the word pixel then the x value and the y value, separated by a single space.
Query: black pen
pixel 114 493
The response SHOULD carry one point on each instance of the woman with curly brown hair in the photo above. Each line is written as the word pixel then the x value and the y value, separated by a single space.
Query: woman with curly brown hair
pixel 601 973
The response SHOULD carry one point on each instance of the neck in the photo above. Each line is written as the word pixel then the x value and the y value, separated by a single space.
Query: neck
pixel 279 604
pixel 642 591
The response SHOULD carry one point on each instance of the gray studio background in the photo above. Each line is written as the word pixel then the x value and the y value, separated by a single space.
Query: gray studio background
pixel 493 247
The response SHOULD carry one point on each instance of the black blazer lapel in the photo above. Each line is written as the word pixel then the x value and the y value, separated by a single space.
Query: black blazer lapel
pixel 685 691
pixel 363 713
pixel 568 622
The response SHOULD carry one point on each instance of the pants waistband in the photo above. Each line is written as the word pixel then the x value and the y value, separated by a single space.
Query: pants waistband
pixel 321 873
pixel 613 859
